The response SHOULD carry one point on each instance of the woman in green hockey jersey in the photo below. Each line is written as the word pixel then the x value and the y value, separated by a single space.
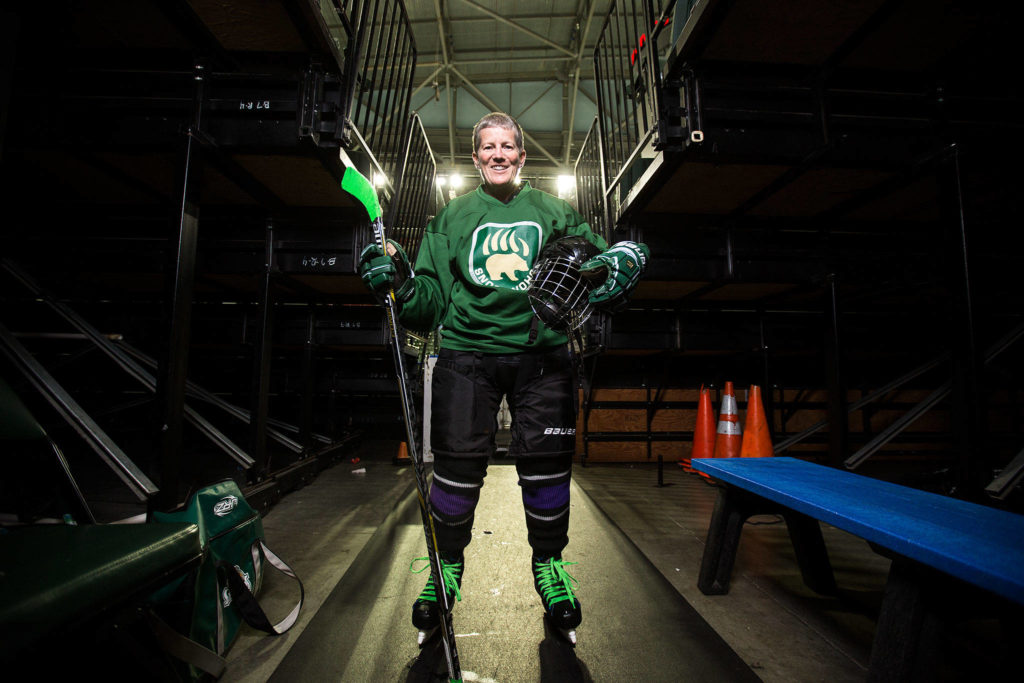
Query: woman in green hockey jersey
pixel 470 279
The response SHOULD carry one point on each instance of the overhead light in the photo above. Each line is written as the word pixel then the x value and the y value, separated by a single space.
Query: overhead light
pixel 456 180
pixel 379 180
pixel 442 180
pixel 566 184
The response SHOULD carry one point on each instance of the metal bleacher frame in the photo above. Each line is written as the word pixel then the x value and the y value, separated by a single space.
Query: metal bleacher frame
pixel 260 120
pixel 661 105
pixel 638 115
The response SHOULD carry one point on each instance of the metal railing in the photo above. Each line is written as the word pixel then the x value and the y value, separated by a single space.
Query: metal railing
pixel 589 172
pixel 380 61
pixel 636 117
pixel 407 216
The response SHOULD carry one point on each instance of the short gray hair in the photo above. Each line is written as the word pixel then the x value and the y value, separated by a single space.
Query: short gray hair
pixel 497 119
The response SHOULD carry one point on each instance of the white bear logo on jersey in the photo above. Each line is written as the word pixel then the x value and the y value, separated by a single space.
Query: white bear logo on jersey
pixel 502 254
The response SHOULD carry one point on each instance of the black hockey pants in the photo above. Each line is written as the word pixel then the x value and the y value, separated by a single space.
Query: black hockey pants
pixel 467 389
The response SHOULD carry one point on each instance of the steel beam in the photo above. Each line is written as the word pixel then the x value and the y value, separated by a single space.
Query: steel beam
pixel 522 29
pixel 126 363
pixel 261 364
pixel 924 406
pixel 196 391
pixel 968 393
pixel 78 418
pixel 838 431
pixel 487 102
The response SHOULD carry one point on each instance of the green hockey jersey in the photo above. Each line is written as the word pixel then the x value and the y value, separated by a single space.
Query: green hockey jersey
pixel 473 266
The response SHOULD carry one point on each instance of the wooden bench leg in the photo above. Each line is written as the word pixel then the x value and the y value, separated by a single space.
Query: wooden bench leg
pixel 811 554
pixel 723 538
pixel 732 509
pixel 906 639
pixel 915 639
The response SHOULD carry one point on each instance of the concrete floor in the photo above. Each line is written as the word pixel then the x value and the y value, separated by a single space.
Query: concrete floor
pixel 350 536
pixel 781 629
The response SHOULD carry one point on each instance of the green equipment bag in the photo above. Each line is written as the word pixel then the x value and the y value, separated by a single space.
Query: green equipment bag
pixel 210 605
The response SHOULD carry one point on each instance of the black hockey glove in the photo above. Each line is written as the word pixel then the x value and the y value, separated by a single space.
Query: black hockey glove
pixel 382 272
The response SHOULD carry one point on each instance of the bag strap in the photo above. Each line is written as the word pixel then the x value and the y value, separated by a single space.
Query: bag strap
pixel 185 649
pixel 247 604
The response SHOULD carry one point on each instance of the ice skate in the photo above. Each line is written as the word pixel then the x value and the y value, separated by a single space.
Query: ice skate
pixel 426 611
pixel 556 589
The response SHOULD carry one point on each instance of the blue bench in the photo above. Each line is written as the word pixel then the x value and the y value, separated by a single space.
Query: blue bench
pixel 942 548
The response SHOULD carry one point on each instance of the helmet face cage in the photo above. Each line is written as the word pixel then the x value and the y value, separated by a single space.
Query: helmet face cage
pixel 558 293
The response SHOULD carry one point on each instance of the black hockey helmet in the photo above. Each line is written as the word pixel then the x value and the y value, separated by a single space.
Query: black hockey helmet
pixel 558 291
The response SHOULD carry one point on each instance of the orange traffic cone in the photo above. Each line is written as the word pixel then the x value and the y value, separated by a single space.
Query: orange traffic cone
pixel 703 432
pixel 729 434
pixel 402 458
pixel 757 441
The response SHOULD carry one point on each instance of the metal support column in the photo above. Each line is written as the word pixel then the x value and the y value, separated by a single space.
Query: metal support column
pixel 262 349
pixel 838 430
pixel 973 470
pixel 10 27
pixel 308 384
pixel 768 391
pixel 176 466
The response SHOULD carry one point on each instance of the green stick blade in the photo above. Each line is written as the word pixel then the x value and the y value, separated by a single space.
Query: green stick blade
pixel 356 184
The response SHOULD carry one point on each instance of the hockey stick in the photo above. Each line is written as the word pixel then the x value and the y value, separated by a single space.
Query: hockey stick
pixel 359 187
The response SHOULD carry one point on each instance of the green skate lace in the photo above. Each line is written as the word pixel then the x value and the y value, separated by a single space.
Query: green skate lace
pixel 554 582
pixel 450 575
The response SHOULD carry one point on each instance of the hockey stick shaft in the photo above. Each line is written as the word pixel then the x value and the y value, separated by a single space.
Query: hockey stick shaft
pixel 358 186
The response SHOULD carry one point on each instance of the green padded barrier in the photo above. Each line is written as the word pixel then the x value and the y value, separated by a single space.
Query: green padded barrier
pixel 56 576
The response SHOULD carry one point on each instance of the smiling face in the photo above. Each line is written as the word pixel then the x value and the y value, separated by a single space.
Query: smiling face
pixel 499 159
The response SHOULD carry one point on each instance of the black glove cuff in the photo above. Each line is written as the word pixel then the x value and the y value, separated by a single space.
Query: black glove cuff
pixel 405 291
